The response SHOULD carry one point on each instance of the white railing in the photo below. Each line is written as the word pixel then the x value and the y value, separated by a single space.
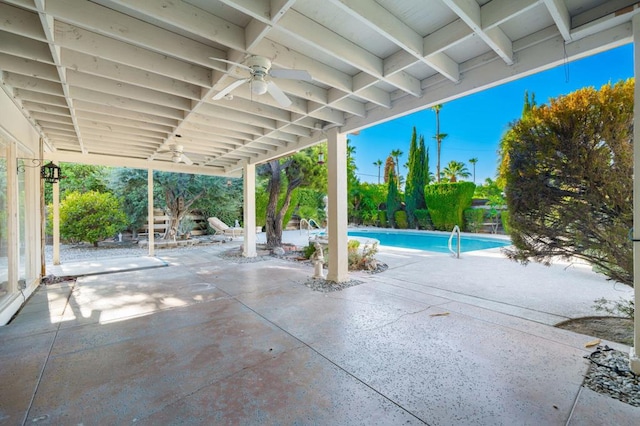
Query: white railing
pixel 309 224
pixel 456 231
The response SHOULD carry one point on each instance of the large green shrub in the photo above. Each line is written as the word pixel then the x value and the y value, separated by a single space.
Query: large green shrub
pixel 569 185
pixel 91 216
pixel 446 203
pixel 370 197
pixel 310 204
pixel 382 217
pixel 401 219
pixel 423 219
pixel 473 219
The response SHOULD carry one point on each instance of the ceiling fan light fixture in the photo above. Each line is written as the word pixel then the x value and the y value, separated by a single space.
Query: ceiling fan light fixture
pixel 258 86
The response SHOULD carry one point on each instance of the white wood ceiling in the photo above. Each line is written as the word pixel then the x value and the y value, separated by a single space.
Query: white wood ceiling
pixel 117 82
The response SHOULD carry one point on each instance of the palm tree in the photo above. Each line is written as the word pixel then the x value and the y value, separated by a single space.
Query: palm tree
pixel 454 170
pixel 438 137
pixel 378 163
pixel 389 168
pixel 396 153
pixel 473 161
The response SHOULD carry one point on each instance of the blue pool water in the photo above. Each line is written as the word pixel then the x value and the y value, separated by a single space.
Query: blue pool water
pixel 430 241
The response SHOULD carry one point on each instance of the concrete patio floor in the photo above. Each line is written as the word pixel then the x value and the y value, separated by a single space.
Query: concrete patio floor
pixel 207 340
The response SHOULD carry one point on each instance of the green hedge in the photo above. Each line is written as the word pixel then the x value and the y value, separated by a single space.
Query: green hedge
pixel 401 219
pixel 473 219
pixel 423 219
pixel 382 217
pixel 447 202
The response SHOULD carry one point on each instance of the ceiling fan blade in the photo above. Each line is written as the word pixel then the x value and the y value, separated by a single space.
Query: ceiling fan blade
pixel 224 92
pixel 186 160
pixel 230 62
pixel 278 94
pixel 291 74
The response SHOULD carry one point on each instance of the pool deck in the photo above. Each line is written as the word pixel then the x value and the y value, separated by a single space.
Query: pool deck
pixel 211 340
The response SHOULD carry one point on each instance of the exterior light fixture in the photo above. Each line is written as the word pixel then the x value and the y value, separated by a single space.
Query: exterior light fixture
pixel 321 158
pixel 50 172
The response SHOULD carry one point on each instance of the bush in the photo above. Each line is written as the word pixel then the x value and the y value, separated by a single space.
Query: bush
pixel 504 217
pixel 362 259
pixel 382 217
pixel 308 251
pixel 370 197
pixel 309 212
pixel 473 219
pixel 401 219
pixel 568 180
pixel 446 203
pixel 621 308
pixel 91 216
pixel 358 259
pixel 310 205
pixel 423 218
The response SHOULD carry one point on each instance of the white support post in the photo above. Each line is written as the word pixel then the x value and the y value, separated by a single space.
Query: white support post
pixel 33 222
pixel 56 223
pixel 249 179
pixel 634 355
pixel 337 208
pixel 12 219
pixel 151 230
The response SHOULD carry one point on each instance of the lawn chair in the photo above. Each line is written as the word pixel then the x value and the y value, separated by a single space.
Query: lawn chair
pixel 223 229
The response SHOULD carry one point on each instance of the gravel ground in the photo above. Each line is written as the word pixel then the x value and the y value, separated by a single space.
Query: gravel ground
pixel 609 374
pixel 324 286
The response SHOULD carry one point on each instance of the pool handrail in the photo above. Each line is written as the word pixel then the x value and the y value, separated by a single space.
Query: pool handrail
pixel 310 223
pixel 455 231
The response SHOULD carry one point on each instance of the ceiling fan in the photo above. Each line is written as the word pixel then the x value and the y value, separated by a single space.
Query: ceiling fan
pixel 259 69
pixel 177 154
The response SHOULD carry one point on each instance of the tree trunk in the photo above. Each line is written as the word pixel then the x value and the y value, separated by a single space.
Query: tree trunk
pixel 275 217
pixel 177 208
pixel 273 225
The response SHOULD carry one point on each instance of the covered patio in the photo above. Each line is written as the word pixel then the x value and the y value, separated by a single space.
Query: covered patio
pixel 219 87
pixel 210 339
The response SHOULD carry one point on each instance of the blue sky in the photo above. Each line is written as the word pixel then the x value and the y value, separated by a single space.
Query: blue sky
pixel 476 123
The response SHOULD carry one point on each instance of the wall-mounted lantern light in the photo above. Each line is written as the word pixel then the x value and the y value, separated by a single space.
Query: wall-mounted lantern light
pixel 50 172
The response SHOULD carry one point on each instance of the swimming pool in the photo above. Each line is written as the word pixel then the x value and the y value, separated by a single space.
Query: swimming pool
pixel 429 241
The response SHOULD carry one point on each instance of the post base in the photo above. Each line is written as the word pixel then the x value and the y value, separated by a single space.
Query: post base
pixel 634 361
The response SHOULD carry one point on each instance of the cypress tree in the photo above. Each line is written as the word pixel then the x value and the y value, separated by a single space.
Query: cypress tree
pixel 416 178
pixel 414 170
pixel 393 198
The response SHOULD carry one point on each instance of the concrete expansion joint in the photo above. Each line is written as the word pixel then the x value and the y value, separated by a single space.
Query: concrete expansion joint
pixel 406 314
